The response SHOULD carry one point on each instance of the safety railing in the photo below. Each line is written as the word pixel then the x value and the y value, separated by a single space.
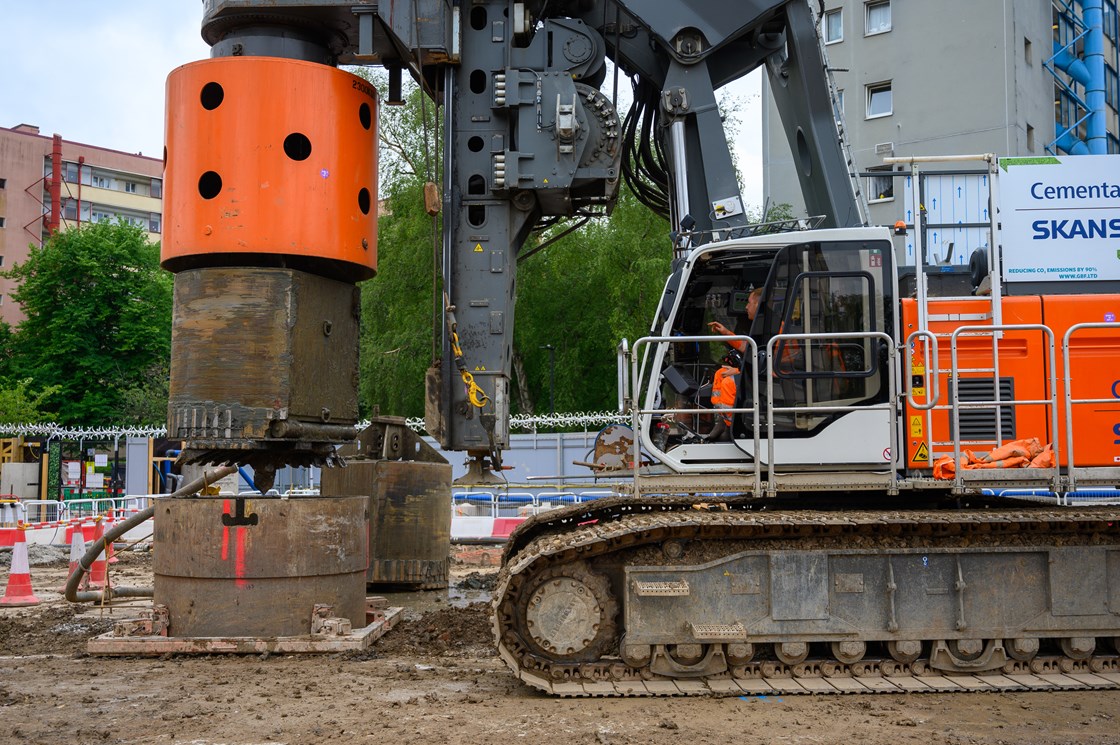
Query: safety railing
pixel 999 403
pixel 51 510
pixel 518 503
pixel 12 513
pixel 890 405
pixel 638 412
pixel 1070 401
pixel 44 511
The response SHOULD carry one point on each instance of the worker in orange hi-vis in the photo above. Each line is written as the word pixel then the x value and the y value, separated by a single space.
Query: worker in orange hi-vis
pixel 725 384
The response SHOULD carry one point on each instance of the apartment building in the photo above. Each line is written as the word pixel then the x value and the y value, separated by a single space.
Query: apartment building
pixel 955 77
pixel 48 183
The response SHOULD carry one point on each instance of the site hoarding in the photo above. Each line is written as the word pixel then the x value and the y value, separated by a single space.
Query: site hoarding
pixel 1060 218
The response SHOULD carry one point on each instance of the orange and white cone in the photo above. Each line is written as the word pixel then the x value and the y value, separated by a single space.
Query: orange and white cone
pixel 18 592
pixel 98 571
pixel 77 551
pixel 110 554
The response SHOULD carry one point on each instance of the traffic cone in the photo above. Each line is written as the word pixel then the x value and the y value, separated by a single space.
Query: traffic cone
pixel 77 551
pixel 110 554
pixel 19 591
pixel 98 571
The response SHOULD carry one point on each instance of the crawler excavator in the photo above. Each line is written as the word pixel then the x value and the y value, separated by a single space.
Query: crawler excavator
pixel 810 548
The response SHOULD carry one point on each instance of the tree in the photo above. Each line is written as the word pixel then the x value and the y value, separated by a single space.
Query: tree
pixel 398 305
pixel 21 405
pixel 98 317
pixel 583 295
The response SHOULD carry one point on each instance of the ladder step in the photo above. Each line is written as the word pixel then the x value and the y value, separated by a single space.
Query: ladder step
pixel 660 589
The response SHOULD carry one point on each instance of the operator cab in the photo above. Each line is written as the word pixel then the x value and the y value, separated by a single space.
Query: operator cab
pixel 822 369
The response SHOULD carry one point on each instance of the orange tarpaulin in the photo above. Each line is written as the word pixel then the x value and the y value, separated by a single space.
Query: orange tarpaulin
pixel 1028 453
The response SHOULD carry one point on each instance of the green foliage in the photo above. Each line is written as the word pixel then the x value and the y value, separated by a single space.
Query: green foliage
pixel 584 294
pixel 98 318
pixel 397 305
pixel 21 405
pixel 144 403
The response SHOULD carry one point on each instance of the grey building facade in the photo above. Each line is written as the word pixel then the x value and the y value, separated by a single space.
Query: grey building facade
pixel 947 78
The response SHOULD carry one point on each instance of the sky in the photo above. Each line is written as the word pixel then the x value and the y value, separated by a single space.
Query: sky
pixel 94 71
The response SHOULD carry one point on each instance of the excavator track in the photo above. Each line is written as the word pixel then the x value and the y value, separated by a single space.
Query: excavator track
pixel 610 600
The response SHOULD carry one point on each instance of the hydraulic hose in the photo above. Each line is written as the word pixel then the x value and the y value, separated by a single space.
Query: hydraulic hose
pixel 108 593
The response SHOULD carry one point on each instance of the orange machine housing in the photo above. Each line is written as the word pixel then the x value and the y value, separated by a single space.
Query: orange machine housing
pixel 1024 358
pixel 271 158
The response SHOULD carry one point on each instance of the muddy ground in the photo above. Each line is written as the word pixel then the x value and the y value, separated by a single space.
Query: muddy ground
pixel 435 679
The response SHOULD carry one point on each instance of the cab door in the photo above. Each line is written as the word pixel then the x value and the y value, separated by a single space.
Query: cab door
pixel 824 377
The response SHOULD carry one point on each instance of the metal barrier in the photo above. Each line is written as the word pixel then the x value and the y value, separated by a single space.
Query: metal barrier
pixel 1070 401
pixel 891 405
pixel 648 410
pixel 518 503
pixel 51 510
pixel 44 511
pixel 12 513
pixel 956 404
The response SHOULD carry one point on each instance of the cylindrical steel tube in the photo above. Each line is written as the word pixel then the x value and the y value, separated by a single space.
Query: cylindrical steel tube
pixel 234 566
pixel 270 158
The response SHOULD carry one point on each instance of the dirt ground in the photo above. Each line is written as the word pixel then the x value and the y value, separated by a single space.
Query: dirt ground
pixel 435 679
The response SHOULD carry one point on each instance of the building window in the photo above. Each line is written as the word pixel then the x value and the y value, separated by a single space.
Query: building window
pixel 3 183
pixel 879 100
pixel 153 223
pixel 880 188
pixel 70 172
pixel 834 26
pixel 3 224
pixel 840 100
pixel 1111 87
pixel 1 261
pixel 878 17
pixel 1028 54
pixel 1030 139
pixel 130 187
pixel 157 188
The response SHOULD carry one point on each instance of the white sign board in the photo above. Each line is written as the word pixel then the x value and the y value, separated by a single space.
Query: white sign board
pixel 1060 217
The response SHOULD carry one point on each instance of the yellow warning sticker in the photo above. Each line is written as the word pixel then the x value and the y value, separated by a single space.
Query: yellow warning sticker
pixel 917 369
pixel 916 392
pixel 478 248
pixel 916 426
pixel 921 455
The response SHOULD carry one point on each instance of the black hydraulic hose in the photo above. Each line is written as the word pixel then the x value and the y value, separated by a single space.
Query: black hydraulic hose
pixel 108 593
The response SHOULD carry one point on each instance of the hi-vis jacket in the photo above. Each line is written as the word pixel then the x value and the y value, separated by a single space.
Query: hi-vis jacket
pixel 724 385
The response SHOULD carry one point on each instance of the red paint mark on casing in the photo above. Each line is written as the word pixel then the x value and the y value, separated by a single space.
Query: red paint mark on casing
pixel 225 533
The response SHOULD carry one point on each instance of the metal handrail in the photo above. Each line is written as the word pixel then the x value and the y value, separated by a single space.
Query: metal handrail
pixel 638 411
pixel 892 393
pixel 1069 400
pixel 932 373
pixel 933 366
pixel 956 404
